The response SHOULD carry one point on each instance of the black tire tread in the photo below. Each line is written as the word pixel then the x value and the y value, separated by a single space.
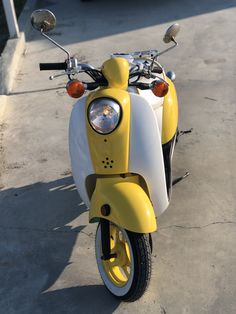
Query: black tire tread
pixel 142 266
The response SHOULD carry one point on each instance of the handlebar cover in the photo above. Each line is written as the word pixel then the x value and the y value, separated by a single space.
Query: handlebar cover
pixel 52 66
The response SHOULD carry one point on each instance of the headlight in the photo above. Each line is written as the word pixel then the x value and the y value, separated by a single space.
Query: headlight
pixel 104 115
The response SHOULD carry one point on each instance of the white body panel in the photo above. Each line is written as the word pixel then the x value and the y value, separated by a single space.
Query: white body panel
pixel 145 156
pixel 154 101
pixel 81 163
pixel 146 150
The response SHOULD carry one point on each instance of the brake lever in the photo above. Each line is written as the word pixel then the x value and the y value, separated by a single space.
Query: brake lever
pixel 52 77
pixel 144 86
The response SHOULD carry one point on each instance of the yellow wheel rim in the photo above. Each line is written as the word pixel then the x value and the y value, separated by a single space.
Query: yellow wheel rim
pixel 118 269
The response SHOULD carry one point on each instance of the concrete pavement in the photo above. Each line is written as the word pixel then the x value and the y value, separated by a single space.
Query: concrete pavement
pixel 47 262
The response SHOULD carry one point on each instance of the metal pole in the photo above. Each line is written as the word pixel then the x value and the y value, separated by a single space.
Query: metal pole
pixel 11 18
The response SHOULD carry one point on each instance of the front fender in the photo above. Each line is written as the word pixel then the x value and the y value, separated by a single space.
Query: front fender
pixel 130 206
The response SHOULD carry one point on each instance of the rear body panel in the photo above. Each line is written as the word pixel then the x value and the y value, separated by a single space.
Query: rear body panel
pixel 170 114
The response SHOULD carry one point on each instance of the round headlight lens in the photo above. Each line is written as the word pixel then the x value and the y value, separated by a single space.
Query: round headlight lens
pixel 104 115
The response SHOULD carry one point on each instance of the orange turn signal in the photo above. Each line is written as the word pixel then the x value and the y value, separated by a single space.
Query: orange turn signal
pixel 75 88
pixel 160 89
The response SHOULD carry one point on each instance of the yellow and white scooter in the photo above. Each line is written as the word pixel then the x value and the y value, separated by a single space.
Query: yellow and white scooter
pixel 121 138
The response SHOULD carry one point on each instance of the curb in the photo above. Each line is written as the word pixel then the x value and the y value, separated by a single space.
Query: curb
pixel 3 102
pixel 14 49
pixel 9 62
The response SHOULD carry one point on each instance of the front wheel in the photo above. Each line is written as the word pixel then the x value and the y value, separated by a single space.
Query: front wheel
pixel 128 274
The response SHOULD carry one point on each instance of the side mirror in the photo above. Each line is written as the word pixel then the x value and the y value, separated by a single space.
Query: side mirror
pixel 171 33
pixel 43 20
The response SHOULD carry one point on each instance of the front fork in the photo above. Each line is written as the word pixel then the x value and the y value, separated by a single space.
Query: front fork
pixel 106 243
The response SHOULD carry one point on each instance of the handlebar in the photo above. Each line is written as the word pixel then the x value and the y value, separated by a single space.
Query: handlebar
pixel 53 66
pixel 72 67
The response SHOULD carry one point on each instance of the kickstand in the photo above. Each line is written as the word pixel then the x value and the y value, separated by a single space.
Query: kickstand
pixel 177 180
pixel 180 133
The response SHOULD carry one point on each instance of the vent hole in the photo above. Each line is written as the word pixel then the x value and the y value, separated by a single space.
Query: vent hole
pixel 112 161
pixel 107 158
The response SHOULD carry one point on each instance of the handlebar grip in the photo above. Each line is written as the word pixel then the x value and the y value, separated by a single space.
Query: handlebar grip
pixel 52 66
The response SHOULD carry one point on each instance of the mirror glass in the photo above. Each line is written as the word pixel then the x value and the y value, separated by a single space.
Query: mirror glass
pixel 171 33
pixel 43 20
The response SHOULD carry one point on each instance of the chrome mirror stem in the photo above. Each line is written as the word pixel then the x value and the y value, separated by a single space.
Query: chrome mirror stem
pixel 162 52
pixel 166 50
pixel 55 43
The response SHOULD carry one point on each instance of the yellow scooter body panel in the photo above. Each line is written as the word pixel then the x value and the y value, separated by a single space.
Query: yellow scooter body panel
pixel 110 152
pixel 170 114
pixel 130 206
pixel 116 71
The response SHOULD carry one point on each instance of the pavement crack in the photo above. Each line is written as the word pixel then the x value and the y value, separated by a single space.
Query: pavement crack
pixel 199 227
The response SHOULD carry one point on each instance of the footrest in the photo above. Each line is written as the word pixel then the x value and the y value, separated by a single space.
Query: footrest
pixel 180 133
pixel 177 180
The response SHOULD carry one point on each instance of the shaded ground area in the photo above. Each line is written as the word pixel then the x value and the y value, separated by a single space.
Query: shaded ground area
pixel 4 35
pixel 44 224
pixel 93 20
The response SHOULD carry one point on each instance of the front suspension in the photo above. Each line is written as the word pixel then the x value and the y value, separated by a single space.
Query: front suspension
pixel 106 242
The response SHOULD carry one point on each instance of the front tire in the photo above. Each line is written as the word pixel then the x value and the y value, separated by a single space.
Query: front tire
pixel 126 276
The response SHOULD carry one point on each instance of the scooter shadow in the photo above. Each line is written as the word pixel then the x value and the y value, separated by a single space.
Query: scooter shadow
pixel 84 299
pixel 39 227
